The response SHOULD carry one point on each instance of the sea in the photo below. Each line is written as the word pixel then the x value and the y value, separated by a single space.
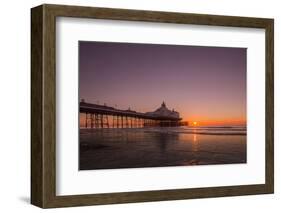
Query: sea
pixel 116 148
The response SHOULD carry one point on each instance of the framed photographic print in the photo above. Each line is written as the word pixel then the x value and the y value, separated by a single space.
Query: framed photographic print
pixel 136 106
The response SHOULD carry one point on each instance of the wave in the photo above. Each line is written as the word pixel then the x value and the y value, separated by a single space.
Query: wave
pixel 206 130
pixel 233 130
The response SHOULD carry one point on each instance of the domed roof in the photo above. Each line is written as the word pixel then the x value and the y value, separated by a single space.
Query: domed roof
pixel 164 112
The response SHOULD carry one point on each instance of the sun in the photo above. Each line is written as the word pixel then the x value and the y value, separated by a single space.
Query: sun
pixel 194 123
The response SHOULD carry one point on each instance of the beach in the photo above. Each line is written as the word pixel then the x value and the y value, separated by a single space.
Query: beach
pixel 115 148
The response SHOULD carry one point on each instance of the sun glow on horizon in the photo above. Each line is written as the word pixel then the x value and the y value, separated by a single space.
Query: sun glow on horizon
pixel 219 122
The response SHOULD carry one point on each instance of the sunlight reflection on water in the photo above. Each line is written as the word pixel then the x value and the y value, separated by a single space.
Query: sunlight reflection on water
pixel 155 147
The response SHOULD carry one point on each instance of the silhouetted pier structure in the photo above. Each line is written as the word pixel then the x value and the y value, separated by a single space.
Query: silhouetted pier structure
pixel 102 116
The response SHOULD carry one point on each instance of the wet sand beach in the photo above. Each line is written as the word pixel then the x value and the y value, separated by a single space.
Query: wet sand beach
pixel 159 147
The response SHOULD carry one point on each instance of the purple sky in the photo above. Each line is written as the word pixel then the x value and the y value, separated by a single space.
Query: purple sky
pixel 201 83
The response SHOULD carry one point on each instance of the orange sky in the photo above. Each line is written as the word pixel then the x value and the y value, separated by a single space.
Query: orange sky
pixel 198 122
pixel 204 84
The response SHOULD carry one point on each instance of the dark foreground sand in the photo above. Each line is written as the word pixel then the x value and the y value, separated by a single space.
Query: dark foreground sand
pixel 135 148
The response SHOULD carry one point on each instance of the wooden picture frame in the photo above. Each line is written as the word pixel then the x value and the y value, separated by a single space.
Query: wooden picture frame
pixel 43 105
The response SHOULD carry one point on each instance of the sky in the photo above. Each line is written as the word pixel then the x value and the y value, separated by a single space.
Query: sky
pixel 204 84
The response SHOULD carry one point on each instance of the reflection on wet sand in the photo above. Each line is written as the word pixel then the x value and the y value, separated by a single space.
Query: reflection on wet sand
pixel 158 147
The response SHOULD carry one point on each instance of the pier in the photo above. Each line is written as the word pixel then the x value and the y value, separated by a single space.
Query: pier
pixel 102 116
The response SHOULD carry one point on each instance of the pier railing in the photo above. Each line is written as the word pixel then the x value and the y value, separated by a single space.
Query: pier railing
pixel 101 116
